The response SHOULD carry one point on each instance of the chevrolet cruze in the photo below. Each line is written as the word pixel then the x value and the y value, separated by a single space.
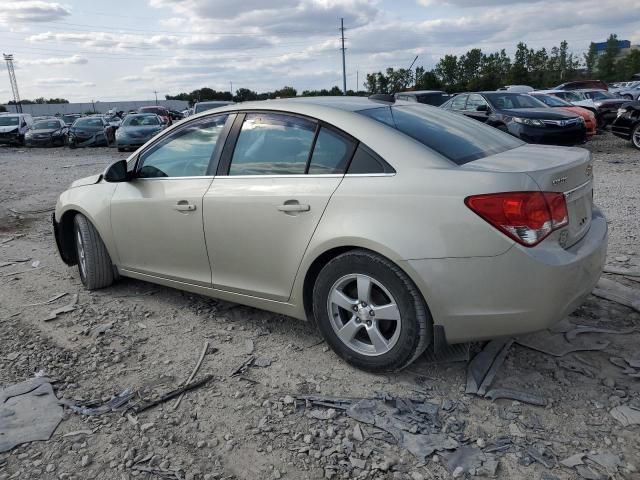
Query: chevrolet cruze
pixel 394 226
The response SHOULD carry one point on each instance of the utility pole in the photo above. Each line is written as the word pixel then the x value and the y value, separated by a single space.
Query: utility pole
pixel 156 93
pixel 357 80
pixel 14 83
pixel 344 65
pixel 231 83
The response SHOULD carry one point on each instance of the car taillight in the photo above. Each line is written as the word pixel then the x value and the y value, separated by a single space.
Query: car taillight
pixel 527 217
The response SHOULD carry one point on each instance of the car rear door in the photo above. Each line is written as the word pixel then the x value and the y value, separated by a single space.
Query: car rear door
pixel 275 178
pixel 156 218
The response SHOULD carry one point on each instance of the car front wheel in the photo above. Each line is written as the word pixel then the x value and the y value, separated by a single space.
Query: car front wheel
pixel 635 136
pixel 94 262
pixel 370 312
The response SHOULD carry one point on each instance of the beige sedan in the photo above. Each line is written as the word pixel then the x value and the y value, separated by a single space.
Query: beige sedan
pixel 394 226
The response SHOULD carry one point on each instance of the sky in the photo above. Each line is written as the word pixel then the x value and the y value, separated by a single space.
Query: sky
pixel 87 50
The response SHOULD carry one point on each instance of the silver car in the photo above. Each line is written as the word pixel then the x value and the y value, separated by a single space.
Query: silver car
pixel 394 226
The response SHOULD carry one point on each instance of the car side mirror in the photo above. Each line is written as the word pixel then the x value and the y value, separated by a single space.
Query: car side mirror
pixel 482 108
pixel 117 172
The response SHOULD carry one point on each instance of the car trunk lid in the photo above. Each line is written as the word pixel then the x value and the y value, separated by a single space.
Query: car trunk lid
pixel 554 169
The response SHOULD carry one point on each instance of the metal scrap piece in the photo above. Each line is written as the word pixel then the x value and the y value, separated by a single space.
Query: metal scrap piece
pixel 112 405
pixel 556 345
pixel 525 397
pixel 484 366
pixel 70 307
pixel 626 415
pixel 617 292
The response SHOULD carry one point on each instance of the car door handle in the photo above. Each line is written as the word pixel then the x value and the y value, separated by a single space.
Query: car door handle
pixel 294 207
pixel 184 206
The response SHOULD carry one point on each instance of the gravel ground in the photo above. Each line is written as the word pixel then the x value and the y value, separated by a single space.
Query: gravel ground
pixel 250 426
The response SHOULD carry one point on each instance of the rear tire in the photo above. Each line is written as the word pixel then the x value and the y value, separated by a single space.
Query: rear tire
pixel 370 312
pixel 635 136
pixel 94 262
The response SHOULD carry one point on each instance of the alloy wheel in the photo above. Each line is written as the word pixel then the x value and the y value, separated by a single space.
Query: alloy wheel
pixel 364 315
pixel 82 261
pixel 635 138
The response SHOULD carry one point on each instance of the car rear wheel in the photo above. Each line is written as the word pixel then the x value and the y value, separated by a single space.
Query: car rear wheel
pixel 94 262
pixel 635 136
pixel 370 312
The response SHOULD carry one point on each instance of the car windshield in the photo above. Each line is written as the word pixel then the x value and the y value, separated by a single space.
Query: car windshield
pixel 601 95
pixel 552 101
pixel 453 136
pixel 6 121
pixel 513 100
pixel 141 121
pixel 574 96
pixel 46 125
pixel 89 122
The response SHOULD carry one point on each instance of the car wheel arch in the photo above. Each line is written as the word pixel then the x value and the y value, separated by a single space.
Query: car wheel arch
pixel 66 231
pixel 314 268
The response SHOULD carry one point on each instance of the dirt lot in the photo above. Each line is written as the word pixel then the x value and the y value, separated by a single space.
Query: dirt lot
pixel 245 426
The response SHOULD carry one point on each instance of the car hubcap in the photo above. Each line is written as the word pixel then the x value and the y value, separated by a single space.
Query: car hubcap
pixel 364 315
pixel 81 258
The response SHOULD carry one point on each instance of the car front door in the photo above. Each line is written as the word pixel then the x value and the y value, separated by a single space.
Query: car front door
pixel 156 218
pixel 267 199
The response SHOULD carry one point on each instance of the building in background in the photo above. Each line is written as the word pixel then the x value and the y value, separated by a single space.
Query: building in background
pixel 624 46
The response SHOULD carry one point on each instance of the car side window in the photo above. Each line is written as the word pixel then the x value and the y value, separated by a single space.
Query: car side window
pixel 459 102
pixel 365 161
pixel 474 101
pixel 331 153
pixel 185 152
pixel 272 144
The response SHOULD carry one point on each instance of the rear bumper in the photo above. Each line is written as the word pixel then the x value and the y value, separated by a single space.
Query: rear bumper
pixel 523 290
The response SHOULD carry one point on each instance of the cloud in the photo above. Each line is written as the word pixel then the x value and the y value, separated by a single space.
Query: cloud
pixel 134 78
pixel 72 60
pixel 55 81
pixel 31 11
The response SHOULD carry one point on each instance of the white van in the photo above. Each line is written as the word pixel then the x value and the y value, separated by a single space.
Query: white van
pixel 14 126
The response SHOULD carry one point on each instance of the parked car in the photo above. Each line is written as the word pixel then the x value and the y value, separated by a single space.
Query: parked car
pixel 176 115
pixel 554 102
pixel 204 106
pixel 606 103
pixel 136 130
pixel 70 118
pixel 522 116
pixel 573 97
pixel 627 123
pixel 162 112
pixel 304 214
pixel 91 132
pixel 45 133
pixel 630 91
pixel 13 127
pixel 583 84
pixel 428 97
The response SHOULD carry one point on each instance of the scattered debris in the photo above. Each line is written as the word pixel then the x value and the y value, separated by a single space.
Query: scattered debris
pixel 621 271
pixel 573 460
pixel 32 212
pixel 243 368
pixel 101 328
pixel 70 307
pixel 471 460
pixel 557 345
pixel 484 366
pixel 572 334
pixel 626 415
pixel 46 302
pixel 193 373
pixel 617 292
pixel 248 346
pixel 116 403
pixel 20 272
pixel 525 397
pixel 77 432
pixel 29 412
pixel 262 362
pixel 170 395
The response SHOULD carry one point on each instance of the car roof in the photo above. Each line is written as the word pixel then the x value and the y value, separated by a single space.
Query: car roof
pixel 419 92
pixel 215 102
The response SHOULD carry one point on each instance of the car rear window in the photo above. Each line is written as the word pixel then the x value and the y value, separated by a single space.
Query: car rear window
pixel 454 136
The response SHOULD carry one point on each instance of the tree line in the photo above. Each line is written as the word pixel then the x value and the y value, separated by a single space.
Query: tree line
pixel 476 70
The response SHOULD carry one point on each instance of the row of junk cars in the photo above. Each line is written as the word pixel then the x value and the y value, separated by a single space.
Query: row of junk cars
pixel 570 114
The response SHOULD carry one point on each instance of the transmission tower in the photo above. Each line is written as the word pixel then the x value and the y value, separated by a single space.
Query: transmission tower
pixel 12 78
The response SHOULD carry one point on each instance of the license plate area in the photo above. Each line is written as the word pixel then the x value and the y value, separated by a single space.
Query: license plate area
pixel 580 207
